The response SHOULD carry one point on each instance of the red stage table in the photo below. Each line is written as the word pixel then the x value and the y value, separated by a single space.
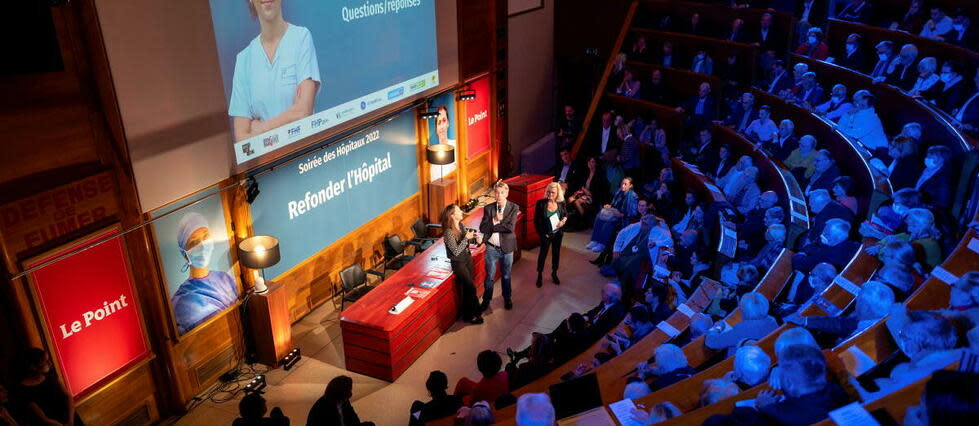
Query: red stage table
pixel 525 190
pixel 383 345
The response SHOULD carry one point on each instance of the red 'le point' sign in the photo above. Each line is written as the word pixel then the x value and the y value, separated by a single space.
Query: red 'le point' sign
pixel 87 302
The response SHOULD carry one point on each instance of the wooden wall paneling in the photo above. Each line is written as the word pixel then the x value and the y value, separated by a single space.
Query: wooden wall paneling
pixel 129 399
pixel 475 25
pixel 478 173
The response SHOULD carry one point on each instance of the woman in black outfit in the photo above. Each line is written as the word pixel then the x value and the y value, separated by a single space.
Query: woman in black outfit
pixel 37 397
pixel 457 249
pixel 588 194
pixel 549 219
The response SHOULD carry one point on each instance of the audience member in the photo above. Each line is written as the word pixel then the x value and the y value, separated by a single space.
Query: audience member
pixel 755 323
pixel 441 405
pixel 751 367
pixel 810 92
pixel 333 408
pixel 950 398
pixel 825 171
pixel 963 34
pixel 854 57
pixel 885 56
pixel 928 80
pixel 630 85
pixel 717 390
pixel 623 207
pixel 762 130
pixel 779 80
pixel 541 359
pixel 668 365
pixel 856 11
pixel 252 409
pixel 702 63
pixel 873 302
pixel 737 32
pixel 935 182
pixel 863 124
pixel 743 113
pixel 833 248
pixel 814 46
pixel 842 188
pixel 837 106
pixel 587 193
pixel 666 57
pixel 492 385
pixel 568 128
pixel 784 142
pixel 806 291
pixel 636 388
pixel 807 396
pixel 534 409
pixel 700 108
pixel 913 19
pixel 637 244
pixel 953 91
pixel 36 394
pixel 802 161
pixel 938 26
pixel 655 90
pixel 899 72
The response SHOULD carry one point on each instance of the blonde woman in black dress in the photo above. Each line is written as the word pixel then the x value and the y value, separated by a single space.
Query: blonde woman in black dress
pixel 457 240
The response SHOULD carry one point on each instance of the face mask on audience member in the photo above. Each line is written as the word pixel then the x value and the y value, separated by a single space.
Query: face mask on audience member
pixel 958 27
pixel 882 56
pixel 813 40
pixel 837 99
pixel 823 239
pixel 946 77
pixel 932 163
pixel 899 209
pixel 850 48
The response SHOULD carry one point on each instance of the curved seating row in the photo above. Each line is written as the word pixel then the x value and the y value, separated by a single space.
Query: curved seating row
pixel 716 18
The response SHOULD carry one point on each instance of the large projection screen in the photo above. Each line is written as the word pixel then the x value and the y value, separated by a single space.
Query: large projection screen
pixel 168 82
pixel 295 68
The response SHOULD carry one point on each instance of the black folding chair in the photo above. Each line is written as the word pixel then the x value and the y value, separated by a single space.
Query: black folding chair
pixel 354 283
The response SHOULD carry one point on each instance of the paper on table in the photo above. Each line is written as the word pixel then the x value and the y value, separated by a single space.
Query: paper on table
pixel 622 410
pixel 852 415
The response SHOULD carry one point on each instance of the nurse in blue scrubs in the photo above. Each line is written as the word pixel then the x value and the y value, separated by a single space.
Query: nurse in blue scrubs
pixel 205 292
pixel 276 76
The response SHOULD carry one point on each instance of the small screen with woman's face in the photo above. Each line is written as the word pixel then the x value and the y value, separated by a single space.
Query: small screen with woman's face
pixel 294 68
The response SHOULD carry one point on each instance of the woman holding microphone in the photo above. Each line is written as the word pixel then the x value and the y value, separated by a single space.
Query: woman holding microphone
pixel 549 219
pixel 457 240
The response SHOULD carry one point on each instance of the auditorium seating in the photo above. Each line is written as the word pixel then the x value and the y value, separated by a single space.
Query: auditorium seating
pixel 716 18
pixel 685 45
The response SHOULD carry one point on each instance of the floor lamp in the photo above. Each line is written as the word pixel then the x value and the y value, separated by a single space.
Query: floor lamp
pixel 259 252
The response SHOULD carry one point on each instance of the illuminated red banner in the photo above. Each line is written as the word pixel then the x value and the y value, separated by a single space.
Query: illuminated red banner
pixel 89 307
pixel 478 119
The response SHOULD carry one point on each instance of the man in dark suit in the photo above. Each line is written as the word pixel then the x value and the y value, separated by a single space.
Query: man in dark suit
pixel 812 12
pixel 701 151
pixel 853 56
pixel 700 109
pixel 903 73
pixel 608 314
pixel 833 248
pixel 721 164
pixel 765 37
pixel 780 79
pixel 737 32
pixel 967 115
pixel 499 220
pixel 607 140
pixel 824 209
pixel 807 396
pixel 667 58
pixel 826 172
pixel 655 89
pixel 782 145
pixel 953 91
pixel 935 183
pixel 565 172
pixel 885 55
pixel 743 113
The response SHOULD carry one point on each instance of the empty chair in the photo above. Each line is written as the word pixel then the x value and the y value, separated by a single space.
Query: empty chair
pixel 394 252
pixel 354 283
pixel 420 229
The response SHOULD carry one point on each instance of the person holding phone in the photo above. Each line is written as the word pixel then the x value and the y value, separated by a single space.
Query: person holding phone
pixel 549 219
pixel 457 240
pixel 276 77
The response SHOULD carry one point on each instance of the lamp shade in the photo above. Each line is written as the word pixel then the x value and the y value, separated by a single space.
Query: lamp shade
pixel 259 252
pixel 441 154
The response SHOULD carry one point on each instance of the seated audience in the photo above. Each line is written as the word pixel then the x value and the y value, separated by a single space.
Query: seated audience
pixel 802 161
pixel 252 409
pixel 702 63
pixel 856 11
pixel 954 89
pixel 333 408
pixel 588 193
pixel 900 72
pixel 782 145
pixel 668 366
pixel 774 243
pixel 825 171
pixel 742 113
pixel 623 207
pixel 638 325
pixel 863 124
pixel 949 399
pixel 935 182
pixel 837 105
pixel 730 181
pixel 779 78
pixel 755 323
pixel 885 56
pixel 534 409
pixel 441 405
pixel 807 396
pixel 873 302
pixel 637 244
pixel 833 248
pixel 745 192
pixel 905 166
pixel 963 34
pixel 540 361
pixel 492 385
pixel 927 78
pixel 36 394
pixel 964 299
pixel 480 414
pixel 717 390
pixel 854 57
pixel 824 208
pixel 635 388
pixel 808 290
pixel 751 367
pixel 912 20
pixel 842 188
pixel 762 130
pixel 938 26
pixel 700 109
pixel 814 46
pixel 630 86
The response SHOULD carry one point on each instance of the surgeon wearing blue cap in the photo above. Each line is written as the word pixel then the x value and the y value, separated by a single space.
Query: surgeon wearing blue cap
pixel 276 75
pixel 205 292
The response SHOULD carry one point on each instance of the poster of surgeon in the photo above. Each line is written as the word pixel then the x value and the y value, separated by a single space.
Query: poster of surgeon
pixel 194 251
pixel 441 130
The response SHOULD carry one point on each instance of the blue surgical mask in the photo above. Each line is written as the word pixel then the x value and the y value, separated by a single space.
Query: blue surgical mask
pixel 824 240
pixel 200 255
pixel 882 56
pixel 958 27
pixel 946 77
pixel 931 162
pixel 899 209
pixel 837 99
pixel 813 40
pixel 850 48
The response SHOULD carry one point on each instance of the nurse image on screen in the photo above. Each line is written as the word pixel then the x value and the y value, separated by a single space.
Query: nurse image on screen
pixel 205 292
pixel 442 133
pixel 276 76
